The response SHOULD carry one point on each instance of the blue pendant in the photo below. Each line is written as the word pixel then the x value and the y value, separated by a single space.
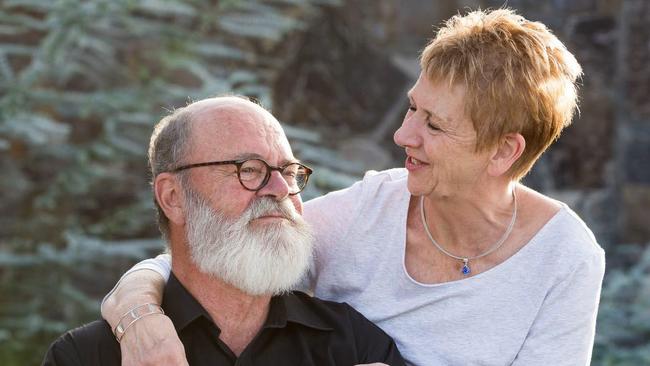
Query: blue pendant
pixel 466 269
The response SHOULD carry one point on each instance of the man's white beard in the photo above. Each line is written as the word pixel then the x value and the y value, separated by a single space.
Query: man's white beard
pixel 265 260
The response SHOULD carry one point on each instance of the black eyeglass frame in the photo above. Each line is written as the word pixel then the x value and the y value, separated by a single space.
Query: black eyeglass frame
pixel 239 163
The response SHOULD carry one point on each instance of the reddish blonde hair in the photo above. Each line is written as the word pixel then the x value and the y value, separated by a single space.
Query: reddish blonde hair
pixel 518 77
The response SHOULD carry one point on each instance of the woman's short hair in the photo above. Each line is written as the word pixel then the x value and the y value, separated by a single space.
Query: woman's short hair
pixel 518 77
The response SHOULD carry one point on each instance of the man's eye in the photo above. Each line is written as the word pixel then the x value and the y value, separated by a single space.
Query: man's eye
pixel 412 108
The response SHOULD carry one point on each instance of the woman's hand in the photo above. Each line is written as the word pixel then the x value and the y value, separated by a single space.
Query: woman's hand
pixel 152 341
pixel 134 289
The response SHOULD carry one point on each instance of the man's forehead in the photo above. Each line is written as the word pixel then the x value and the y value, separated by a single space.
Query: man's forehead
pixel 226 107
pixel 234 125
pixel 231 114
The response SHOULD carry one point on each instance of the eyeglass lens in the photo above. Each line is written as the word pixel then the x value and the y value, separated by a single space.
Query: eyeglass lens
pixel 254 173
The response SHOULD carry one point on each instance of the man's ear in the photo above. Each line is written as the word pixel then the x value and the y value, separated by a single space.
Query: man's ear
pixel 506 154
pixel 169 195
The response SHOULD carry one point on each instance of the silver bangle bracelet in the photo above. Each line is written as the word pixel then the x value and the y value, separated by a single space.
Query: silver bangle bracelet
pixel 133 315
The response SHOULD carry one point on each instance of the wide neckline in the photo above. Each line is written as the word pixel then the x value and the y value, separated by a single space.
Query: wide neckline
pixel 514 258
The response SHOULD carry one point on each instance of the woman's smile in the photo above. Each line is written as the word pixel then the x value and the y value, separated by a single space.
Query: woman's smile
pixel 413 164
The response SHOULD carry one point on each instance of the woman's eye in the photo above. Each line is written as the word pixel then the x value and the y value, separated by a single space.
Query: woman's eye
pixel 412 108
pixel 433 127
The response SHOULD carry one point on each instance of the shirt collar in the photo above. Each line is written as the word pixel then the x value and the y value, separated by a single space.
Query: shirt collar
pixel 183 309
pixel 295 307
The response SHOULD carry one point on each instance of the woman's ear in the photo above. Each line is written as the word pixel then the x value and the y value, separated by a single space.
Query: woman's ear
pixel 169 194
pixel 506 154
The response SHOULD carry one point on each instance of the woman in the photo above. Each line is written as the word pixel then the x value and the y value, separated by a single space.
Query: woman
pixel 452 256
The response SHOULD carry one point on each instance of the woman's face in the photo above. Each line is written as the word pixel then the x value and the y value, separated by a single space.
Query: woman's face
pixel 439 140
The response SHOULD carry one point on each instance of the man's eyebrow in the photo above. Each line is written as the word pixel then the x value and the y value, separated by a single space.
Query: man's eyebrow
pixel 245 156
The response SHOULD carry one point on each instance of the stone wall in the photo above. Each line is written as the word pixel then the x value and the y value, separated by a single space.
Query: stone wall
pixel 633 140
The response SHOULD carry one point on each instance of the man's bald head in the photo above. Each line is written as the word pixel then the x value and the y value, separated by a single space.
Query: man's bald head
pixel 172 139
pixel 212 107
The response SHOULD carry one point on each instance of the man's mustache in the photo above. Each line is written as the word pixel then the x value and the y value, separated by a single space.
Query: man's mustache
pixel 265 206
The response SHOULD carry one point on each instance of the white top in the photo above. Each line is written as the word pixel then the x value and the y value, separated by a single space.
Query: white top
pixel 537 308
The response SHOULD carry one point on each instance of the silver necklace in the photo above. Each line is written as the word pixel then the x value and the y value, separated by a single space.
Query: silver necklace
pixel 466 270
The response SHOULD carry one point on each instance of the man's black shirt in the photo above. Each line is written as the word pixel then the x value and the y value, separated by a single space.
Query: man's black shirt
pixel 299 330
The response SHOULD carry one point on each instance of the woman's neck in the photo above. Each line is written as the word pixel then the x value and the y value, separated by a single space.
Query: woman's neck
pixel 469 222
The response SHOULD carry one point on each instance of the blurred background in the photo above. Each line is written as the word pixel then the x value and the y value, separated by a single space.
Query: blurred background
pixel 83 82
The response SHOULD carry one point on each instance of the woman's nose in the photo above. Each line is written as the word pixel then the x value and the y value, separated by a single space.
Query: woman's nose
pixel 405 135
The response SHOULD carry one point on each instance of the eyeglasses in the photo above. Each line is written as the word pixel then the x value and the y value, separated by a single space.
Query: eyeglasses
pixel 254 174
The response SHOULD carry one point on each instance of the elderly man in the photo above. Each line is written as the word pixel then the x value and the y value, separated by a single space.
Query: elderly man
pixel 227 187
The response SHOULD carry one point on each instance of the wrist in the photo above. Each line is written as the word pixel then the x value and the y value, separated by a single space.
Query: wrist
pixel 141 287
pixel 132 316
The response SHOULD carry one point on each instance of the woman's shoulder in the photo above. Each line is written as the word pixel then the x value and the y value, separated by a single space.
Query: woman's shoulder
pixel 386 175
pixel 384 182
pixel 571 226
pixel 563 231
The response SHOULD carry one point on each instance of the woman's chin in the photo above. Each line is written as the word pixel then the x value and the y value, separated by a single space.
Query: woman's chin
pixel 417 188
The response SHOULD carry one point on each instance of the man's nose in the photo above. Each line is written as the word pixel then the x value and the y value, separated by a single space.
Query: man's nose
pixel 276 187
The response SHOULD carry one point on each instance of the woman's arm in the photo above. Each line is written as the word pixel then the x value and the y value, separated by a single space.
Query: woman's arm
pixel 134 288
pixel 144 283
pixel 151 340
pixel 563 331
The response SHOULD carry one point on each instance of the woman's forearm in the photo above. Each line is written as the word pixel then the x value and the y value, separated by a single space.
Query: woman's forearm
pixel 136 288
